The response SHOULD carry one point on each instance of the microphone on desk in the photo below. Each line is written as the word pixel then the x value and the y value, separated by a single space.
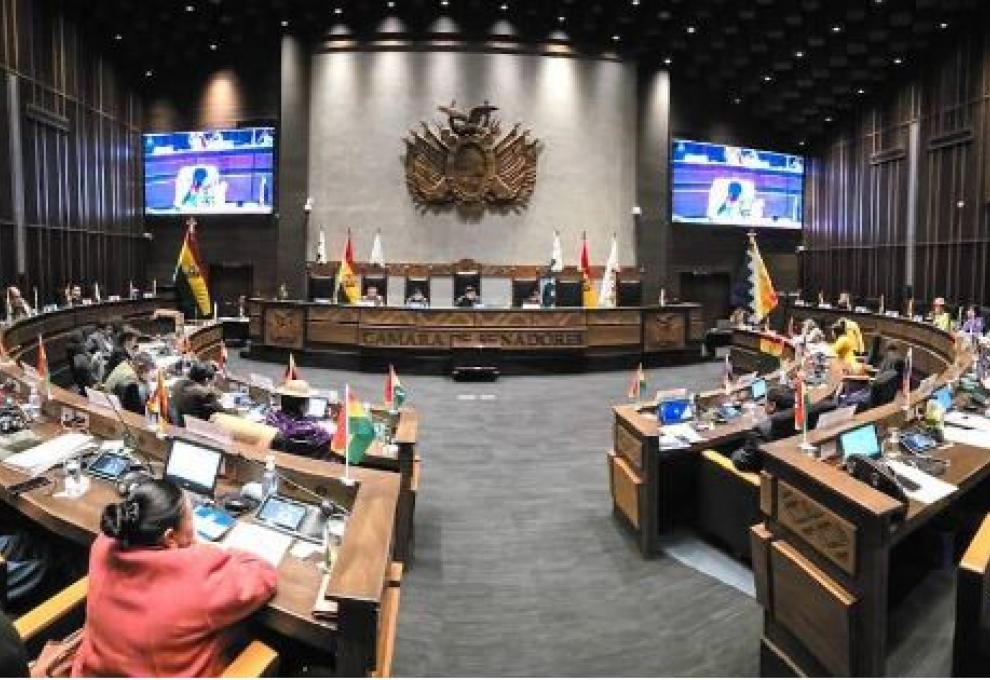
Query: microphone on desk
pixel 130 440
pixel 328 508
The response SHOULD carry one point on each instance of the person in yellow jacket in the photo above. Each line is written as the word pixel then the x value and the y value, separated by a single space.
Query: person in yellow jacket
pixel 939 316
pixel 848 345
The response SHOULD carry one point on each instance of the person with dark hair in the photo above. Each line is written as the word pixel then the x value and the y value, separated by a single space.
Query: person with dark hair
pixel 160 603
pixel 13 655
pixel 128 382
pixel 194 395
pixel 82 365
pixel 125 346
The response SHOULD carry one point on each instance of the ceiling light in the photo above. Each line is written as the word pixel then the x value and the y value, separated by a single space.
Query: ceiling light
pixel 338 10
pixel 767 78
pixel 561 20
pixel 118 36
pixel 616 38
pixel 860 91
pixel 190 8
pixel 828 119
pixel 444 3
pixel 898 61
pixel 737 100
pixel 391 4
pixel 213 47
pixel 285 23
pixel 691 29
pixel 799 54
pixel 149 73
pixel 668 61
pixel 801 143
pixel 837 29
pixel 635 3
pixel 504 6
pixel 944 25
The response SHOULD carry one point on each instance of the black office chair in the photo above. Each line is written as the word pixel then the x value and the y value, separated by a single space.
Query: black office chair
pixel 464 280
pixel 629 293
pixel 378 280
pixel 875 355
pixel 320 287
pixel 569 293
pixel 522 289
pixel 816 411
pixel 884 389
pixel 421 283
pixel 782 425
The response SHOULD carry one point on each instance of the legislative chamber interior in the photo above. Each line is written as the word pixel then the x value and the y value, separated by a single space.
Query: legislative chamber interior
pixel 495 338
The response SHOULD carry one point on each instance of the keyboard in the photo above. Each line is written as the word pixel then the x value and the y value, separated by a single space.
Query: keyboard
pixel 43 457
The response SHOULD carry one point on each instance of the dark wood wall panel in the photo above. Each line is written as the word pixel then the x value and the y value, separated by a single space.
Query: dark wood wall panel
pixel 858 189
pixel 81 150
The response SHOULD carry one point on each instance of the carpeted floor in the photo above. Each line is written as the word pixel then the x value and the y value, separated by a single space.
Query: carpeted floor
pixel 520 568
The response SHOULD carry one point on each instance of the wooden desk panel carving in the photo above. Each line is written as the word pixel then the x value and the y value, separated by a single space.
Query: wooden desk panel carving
pixel 629 446
pixel 334 314
pixel 389 317
pixel 613 317
pixel 284 327
pixel 663 330
pixel 332 333
pixel 832 536
pixel 614 336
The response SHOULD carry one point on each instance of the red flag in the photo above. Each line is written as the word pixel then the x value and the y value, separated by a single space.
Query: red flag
pixel 223 356
pixel 800 405
pixel 42 366
pixel 291 373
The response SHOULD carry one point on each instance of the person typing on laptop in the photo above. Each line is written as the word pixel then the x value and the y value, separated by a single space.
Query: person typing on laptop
pixel 159 603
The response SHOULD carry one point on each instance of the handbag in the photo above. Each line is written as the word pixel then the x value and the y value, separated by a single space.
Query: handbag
pixel 56 658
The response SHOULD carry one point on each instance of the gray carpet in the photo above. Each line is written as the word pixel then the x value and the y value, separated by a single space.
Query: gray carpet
pixel 521 569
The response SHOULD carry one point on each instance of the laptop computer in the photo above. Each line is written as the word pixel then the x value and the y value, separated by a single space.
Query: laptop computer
pixel 758 389
pixel 674 411
pixel 860 441
pixel 943 396
pixel 193 466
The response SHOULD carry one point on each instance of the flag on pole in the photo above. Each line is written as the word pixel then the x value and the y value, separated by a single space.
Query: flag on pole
pixel 223 357
pixel 42 362
pixel 588 297
pixel 291 372
pixel 791 331
pixel 346 280
pixel 191 287
pixel 637 384
pixel 802 403
pixel 728 379
pixel 321 248
pixel 556 253
pixel 395 393
pixel 377 252
pixel 606 295
pixel 9 307
pixel 158 401
pixel 763 297
pixel 355 431
pixel 96 292
pixel 908 369
pixel 882 306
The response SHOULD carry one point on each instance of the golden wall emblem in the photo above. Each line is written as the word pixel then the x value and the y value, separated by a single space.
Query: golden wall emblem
pixel 470 161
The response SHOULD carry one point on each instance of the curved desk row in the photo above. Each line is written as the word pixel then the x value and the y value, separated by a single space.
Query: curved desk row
pixel 357 589
pixel 437 339
pixel 822 555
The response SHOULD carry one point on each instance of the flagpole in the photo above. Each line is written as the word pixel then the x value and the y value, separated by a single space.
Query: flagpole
pixel 347 438
pixel 806 446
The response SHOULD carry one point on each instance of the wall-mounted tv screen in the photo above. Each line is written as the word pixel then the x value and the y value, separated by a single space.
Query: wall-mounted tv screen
pixel 732 185
pixel 209 171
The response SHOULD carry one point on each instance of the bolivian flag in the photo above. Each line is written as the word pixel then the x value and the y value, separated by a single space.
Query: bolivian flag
pixel 395 393
pixel 637 384
pixel 158 401
pixel 191 289
pixel 42 363
pixel 355 431
pixel 291 372
pixel 347 283
pixel 763 297
pixel 588 296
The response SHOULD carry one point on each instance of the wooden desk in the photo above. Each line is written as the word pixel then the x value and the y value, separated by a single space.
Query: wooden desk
pixel 358 579
pixel 428 339
pixel 821 556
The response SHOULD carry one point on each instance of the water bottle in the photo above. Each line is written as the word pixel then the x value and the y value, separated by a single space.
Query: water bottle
pixel 34 400
pixel 269 480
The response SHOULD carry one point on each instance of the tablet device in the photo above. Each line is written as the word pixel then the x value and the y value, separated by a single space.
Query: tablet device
pixel 109 466
pixel 918 441
pixel 861 441
pixel 674 411
pixel 282 513
pixel 758 390
pixel 317 409
pixel 943 396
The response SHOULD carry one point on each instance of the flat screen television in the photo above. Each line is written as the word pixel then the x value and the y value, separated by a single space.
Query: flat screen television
pixel 209 171
pixel 731 185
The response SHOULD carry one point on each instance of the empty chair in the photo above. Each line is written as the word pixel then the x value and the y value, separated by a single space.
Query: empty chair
pixel 523 289
pixel 467 274
pixel 629 288
pixel 320 287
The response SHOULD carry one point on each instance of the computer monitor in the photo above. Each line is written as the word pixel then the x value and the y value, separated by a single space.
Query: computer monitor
pixel 673 411
pixel 193 466
pixel 943 396
pixel 317 408
pixel 758 389
pixel 861 441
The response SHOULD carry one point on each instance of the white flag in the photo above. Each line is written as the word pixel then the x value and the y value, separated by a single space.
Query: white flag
pixel 96 292
pixel 606 296
pixel 321 248
pixel 556 254
pixel 377 252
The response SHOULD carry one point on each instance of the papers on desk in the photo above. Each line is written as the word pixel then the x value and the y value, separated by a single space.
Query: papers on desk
pixel 969 421
pixel 931 489
pixel 43 457
pixel 959 435
pixel 263 542
pixel 679 436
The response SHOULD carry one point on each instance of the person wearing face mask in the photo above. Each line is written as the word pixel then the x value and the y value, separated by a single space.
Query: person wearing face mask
pixel 159 603
pixel 128 380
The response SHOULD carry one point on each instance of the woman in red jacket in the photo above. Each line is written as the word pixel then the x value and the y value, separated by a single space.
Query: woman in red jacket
pixel 160 604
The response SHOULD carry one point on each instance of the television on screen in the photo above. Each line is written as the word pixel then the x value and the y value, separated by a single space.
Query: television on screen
pixel 210 171
pixel 731 185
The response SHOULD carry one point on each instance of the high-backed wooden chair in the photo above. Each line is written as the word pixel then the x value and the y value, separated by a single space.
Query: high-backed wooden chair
pixel 629 287
pixel 971 646
pixel 466 273
pixel 418 278
pixel 255 661
pixel 377 277
pixel 569 285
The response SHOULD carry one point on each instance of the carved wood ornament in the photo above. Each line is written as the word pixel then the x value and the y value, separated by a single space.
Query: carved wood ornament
pixel 470 162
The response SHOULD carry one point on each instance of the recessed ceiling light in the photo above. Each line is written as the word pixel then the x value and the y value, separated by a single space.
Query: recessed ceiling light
pixel 860 91
pixel 668 61
pixel 444 3
pixel 190 8
pixel 801 143
pixel 285 23
pixel 616 38
pixel 391 4
pixel 837 29
pixel 635 3
pixel 214 47
pixel 767 78
pixel 561 19
pixel 118 36
pixel 944 25
pixel 898 60
pixel 799 54
pixel 691 29
pixel 504 6
pixel 737 100
pixel 828 119
pixel 338 10
pixel 149 73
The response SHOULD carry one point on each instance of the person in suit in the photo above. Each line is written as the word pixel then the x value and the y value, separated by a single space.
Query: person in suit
pixel 296 433
pixel 128 382
pixel 82 365
pixel 195 395
pixel 892 357
pixel 417 299
pixel 161 603
pixel 469 299
pixel 939 317
pixel 372 297
pixel 18 306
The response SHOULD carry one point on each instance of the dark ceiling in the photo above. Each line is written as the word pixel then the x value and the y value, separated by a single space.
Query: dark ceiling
pixel 796 66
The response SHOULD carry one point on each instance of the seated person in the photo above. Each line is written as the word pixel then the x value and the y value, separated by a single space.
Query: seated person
pixel 780 411
pixel 128 382
pixel 739 317
pixel 372 297
pixel 845 301
pixel 73 295
pixel 469 299
pixel 891 358
pixel 938 316
pixel 417 299
pixel 533 300
pixel 82 365
pixel 160 603
pixel 296 433
pixel 847 345
pixel 973 324
pixel 195 395
pixel 125 346
pixel 17 306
